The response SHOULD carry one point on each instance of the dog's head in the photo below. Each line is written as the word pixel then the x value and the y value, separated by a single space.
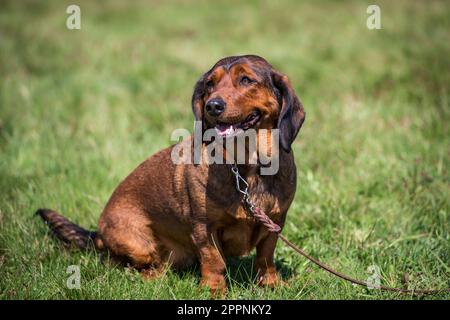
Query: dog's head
pixel 242 92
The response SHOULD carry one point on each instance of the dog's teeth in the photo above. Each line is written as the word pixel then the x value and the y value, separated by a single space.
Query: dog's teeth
pixel 226 131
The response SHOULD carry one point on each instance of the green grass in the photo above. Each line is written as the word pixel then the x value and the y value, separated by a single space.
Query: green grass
pixel 80 109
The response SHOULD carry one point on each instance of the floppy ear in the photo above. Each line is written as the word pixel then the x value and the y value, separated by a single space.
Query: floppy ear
pixel 292 113
pixel 199 125
pixel 197 99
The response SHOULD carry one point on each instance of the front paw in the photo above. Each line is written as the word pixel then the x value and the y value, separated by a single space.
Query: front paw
pixel 216 284
pixel 268 278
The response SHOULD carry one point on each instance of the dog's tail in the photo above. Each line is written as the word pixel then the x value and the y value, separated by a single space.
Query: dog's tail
pixel 68 232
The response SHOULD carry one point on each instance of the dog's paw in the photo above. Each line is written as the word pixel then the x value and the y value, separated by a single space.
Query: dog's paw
pixel 268 279
pixel 152 273
pixel 216 284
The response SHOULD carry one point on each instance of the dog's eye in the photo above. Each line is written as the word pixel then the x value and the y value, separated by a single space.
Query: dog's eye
pixel 246 81
pixel 209 84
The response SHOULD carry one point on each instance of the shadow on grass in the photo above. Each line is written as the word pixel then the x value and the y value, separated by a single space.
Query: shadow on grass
pixel 240 271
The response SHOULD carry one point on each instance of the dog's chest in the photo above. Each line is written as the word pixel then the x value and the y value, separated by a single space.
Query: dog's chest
pixel 241 233
pixel 265 194
pixel 226 211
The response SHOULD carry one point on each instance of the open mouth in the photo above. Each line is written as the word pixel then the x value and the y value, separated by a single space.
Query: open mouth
pixel 229 129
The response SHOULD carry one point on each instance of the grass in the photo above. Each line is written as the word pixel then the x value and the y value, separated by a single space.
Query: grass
pixel 80 109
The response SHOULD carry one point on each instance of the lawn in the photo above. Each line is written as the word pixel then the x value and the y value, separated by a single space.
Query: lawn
pixel 80 109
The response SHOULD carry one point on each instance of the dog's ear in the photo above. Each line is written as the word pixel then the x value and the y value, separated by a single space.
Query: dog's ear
pixel 292 114
pixel 197 99
pixel 199 125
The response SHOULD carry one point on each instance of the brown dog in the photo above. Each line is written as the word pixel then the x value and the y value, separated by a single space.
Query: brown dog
pixel 182 213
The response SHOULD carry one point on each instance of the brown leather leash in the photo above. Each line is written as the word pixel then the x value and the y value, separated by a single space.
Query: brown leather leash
pixel 263 218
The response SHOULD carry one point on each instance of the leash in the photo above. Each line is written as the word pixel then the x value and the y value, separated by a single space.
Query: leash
pixel 263 218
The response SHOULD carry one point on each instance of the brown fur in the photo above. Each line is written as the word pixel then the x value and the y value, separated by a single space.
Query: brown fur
pixel 179 214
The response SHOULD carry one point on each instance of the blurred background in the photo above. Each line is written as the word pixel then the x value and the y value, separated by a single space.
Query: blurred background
pixel 79 109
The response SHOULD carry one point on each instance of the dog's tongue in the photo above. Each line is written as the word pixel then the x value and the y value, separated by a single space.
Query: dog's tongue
pixel 224 129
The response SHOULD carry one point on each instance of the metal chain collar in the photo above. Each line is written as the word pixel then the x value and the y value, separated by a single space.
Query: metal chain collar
pixel 256 212
pixel 242 187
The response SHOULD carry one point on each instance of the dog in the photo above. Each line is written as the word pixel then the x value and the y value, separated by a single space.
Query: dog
pixel 179 214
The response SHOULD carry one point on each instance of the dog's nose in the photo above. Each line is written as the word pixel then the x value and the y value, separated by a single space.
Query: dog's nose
pixel 215 107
